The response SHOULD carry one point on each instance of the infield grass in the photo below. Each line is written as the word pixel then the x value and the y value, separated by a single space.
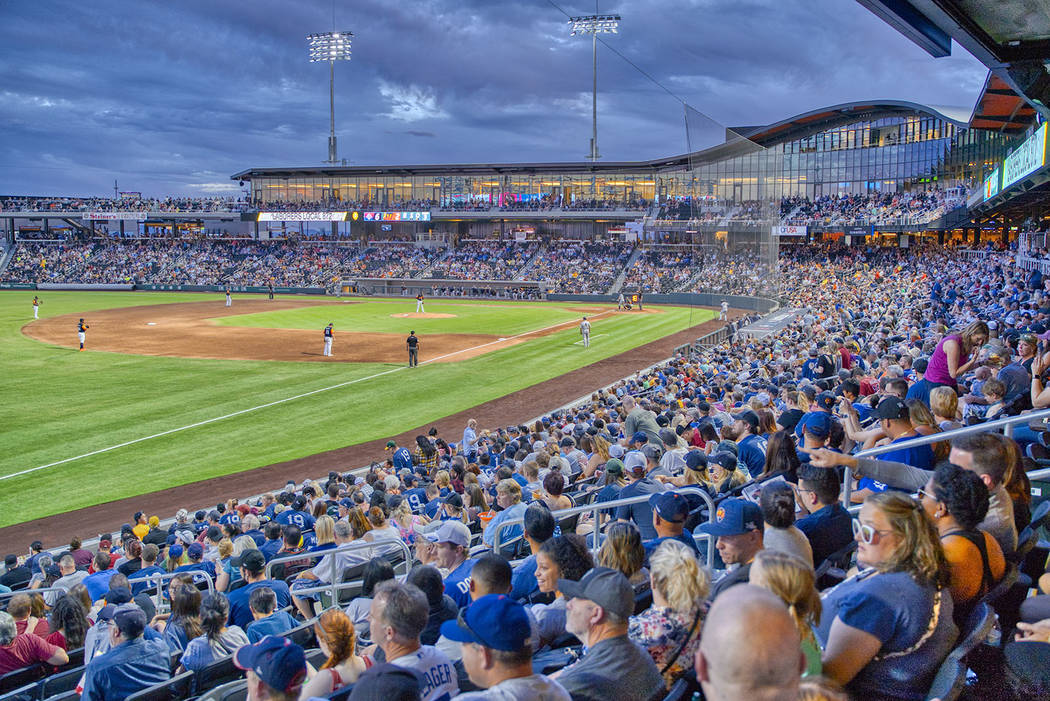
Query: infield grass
pixel 58 403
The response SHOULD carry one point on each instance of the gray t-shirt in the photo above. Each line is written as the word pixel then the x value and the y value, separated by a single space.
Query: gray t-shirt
pixel 535 687
pixel 614 668
pixel 790 541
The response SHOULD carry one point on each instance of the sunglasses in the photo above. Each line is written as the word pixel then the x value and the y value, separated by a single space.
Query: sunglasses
pixel 867 533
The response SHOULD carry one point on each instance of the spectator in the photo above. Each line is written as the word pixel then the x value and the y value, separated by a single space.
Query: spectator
pixel 81 556
pixel 338 641
pixel 377 570
pixel 217 640
pixel 15 576
pixel 322 572
pixel 752 446
pixel 496 639
pixel 738 527
pixel 20 606
pixel 791 579
pixel 599 607
pixel 252 567
pixel 670 510
pixel 184 624
pixel 670 628
pixel 827 524
pixel 269 620
pixel 508 497
pixel 724 471
pixel 18 650
pixel 131 664
pixel 538 529
pixel 275 667
pixel 641 514
pixel 68 623
pixel 623 550
pixel 70 577
pixel 749 648
pixel 777 501
pixel 442 607
pixel 897 603
pixel 453 547
pixel 562 558
pixel 398 615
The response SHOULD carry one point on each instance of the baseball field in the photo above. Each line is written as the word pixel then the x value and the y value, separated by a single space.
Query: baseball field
pixel 175 388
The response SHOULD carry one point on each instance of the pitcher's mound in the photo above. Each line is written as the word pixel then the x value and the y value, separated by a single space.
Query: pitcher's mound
pixel 422 315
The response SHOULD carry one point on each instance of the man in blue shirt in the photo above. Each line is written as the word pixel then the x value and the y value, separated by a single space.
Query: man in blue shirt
pixel 139 580
pixel 751 447
pixel 401 458
pixel 828 525
pixel 274 540
pixel 670 511
pixel 296 516
pixel 132 662
pixel 269 620
pixel 275 667
pixel 641 513
pixel 252 566
pixel 416 495
pixel 195 553
pixel 453 547
pixel 98 583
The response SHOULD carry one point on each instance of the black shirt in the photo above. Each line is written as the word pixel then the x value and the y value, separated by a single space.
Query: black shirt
pixel 16 577
pixel 412 342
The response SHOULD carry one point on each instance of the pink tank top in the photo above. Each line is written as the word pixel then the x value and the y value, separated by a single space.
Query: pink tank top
pixel 937 370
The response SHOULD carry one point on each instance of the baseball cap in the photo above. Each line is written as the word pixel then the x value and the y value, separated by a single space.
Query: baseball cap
pixel 614 466
pixel 818 424
pixel 252 560
pixel 826 401
pixel 750 418
pixel 725 459
pixel 195 551
pixel 695 460
pixel 454 500
pixel 105 543
pixel 390 444
pixel 634 461
pixel 890 408
pixel 671 506
pixel 606 587
pixel 137 516
pixel 451 532
pixel 130 619
pixel 118 595
pixel 494 621
pixel 652 451
pixel 616 451
pixel 175 551
pixel 734 517
pixel 388 682
pixel 277 661
pixel 640 437
pixel 668 437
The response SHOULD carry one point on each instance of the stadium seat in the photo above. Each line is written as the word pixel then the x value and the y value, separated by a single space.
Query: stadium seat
pixel 29 692
pixel 303 635
pixel 21 677
pixel 231 691
pixel 1004 585
pixel 951 676
pixel 218 672
pixel 72 695
pixel 350 574
pixel 643 600
pixel 173 689
pixel 833 569
pixel 340 694
pixel 61 682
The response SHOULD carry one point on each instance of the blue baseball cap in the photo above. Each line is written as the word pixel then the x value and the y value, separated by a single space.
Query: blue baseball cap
pixel 277 661
pixel 818 424
pixel 670 506
pixel 640 437
pixel 494 621
pixel 734 517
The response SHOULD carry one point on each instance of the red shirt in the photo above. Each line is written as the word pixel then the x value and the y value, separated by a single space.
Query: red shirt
pixel 42 628
pixel 23 651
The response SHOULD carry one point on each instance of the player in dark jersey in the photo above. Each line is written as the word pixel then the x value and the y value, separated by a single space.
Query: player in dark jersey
pixel 82 332
pixel 328 339
pixel 412 343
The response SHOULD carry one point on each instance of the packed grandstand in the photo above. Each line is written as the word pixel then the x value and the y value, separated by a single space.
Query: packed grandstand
pixel 726 465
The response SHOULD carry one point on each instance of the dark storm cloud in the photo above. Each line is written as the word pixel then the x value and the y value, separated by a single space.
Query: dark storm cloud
pixel 175 97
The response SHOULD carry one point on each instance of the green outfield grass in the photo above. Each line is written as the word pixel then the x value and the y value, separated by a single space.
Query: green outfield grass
pixel 58 403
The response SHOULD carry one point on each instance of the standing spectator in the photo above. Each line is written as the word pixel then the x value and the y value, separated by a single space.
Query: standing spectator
pixel 131 664
pixel 955 354
pixel 21 650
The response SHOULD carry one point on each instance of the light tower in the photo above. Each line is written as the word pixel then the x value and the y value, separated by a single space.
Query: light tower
pixel 331 47
pixel 594 25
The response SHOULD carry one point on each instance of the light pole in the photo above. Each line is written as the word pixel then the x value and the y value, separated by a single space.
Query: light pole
pixel 594 25
pixel 331 47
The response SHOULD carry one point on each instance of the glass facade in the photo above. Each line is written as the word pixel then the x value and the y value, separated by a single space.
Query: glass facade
pixel 901 153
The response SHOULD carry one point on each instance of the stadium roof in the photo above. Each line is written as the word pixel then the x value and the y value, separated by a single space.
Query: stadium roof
pixel 1001 108
pixel 1011 37
pixel 739 140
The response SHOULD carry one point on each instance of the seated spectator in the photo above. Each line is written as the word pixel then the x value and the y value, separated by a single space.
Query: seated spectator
pixel 442 607
pixel 196 562
pixel 670 511
pixel 562 558
pixel 217 640
pixel 338 641
pixel 184 624
pixel 612 667
pixel 269 620
pixel 639 483
pixel 382 530
pixel 20 606
pixel 68 623
pixel 623 550
pixel 553 486
pixel 898 603
pixel 398 615
pixel 275 668
pixel 132 558
pixel 827 524
pixel 18 650
pixel 738 526
pixel 670 629
pixel 496 640
pixel 538 529
pixel 749 648
pixel 957 500
pixel 777 502
pixel 140 581
pixel 98 583
pixel 273 540
pixel 724 471
pixel 791 579
pixel 252 566
pixel 15 576
pixel 377 570
pixel 508 496
pixel 453 547
pixel 132 663
pixel 321 573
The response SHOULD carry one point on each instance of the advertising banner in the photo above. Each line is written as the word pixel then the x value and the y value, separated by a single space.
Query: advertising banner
pixel 301 216
pixel 1026 158
pixel 395 216
pixel 991 184
pixel 789 230
pixel 113 216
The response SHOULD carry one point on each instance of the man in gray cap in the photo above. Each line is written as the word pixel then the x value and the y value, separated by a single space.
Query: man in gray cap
pixel 132 662
pixel 613 667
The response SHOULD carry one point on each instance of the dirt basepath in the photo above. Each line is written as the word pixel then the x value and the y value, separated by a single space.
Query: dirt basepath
pixel 514 408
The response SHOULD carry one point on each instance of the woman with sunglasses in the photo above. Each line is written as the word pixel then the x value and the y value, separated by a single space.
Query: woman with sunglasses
pixel 887 629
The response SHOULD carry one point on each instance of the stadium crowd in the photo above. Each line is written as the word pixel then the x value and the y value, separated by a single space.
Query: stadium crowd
pixel 804 599
pixel 580 267
pixel 484 260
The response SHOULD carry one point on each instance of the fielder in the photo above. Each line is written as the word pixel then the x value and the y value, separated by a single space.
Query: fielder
pixel 328 339
pixel 36 307
pixel 82 332
pixel 229 299
pixel 585 331
pixel 724 314
pixel 419 303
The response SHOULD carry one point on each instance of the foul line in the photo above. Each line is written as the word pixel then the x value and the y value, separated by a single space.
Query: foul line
pixel 279 401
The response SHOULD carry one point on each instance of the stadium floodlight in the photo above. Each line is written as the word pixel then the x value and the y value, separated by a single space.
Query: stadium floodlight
pixel 331 47
pixel 594 25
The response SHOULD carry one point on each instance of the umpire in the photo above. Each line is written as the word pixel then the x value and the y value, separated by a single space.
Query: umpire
pixel 412 343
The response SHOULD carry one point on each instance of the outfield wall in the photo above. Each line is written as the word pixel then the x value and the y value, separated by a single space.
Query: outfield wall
pixel 761 305
pixel 160 288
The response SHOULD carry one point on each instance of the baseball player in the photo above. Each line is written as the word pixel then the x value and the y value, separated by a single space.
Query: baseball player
pixel 328 339
pixel 36 307
pixel 724 314
pixel 585 331
pixel 269 288
pixel 82 332
pixel 229 299
pixel 412 343
pixel 620 302
pixel 419 303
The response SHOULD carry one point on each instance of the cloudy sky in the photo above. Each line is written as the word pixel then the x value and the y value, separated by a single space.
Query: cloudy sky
pixel 175 97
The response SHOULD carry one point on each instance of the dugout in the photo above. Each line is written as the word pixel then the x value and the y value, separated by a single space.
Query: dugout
pixel 443 288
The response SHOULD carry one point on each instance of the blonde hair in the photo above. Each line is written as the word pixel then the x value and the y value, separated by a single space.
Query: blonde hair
pixel 402 514
pixel 793 581
pixel 944 402
pixel 510 488
pixel 622 549
pixel 919 552
pixel 601 446
pixel 225 548
pixel 677 575
pixel 967 334
pixel 442 479
pixel 324 529
pixel 242 543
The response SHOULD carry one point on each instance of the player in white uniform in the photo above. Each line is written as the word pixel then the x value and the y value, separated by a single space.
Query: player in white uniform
pixel 585 331
pixel 328 339
pixel 36 307
pixel 229 299
pixel 82 332
pixel 419 303
pixel 725 311
pixel 620 302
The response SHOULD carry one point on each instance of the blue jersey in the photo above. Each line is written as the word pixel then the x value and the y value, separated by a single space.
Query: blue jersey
pixel 291 516
pixel 457 583
pixel 402 459
pixel 417 499
pixel 230 517
pixel 752 454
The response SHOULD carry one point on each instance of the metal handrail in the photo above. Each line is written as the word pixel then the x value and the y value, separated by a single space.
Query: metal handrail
pixel 156 581
pixel 1006 423
pixel 595 507
pixel 31 592
pixel 335 585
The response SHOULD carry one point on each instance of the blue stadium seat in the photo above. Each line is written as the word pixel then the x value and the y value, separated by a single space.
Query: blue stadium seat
pixel 951 676
pixel 174 689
